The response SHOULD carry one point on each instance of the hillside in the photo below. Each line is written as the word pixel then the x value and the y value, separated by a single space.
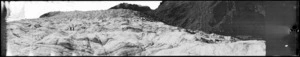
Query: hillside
pixel 242 19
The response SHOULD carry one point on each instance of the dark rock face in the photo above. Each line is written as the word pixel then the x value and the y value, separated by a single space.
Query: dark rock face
pixel 49 14
pixel 241 19
pixel 4 11
pixel 131 7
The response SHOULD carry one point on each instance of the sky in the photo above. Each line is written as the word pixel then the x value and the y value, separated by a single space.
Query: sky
pixel 34 9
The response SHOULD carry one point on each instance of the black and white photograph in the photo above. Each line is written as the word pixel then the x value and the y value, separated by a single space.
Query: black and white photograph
pixel 150 28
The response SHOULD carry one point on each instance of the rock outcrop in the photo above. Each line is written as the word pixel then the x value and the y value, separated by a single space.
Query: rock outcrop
pixel 49 14
pixel 242 19
pixel 131 7
pixel 116 32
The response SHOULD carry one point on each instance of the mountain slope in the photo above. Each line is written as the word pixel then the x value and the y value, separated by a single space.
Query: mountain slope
pixel 241 19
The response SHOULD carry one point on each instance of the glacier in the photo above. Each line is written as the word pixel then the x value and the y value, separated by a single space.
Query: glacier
pixel 118 32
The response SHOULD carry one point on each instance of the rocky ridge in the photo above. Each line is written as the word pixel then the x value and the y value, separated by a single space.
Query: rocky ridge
pixel 116 32
pixel 131 7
